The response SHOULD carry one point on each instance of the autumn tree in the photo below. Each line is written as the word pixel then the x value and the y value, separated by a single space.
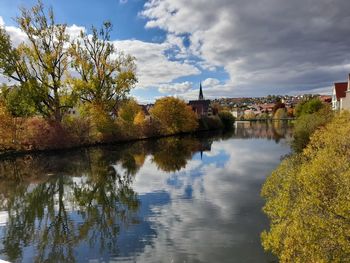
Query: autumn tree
pixel 106 76
pixel 307 199
pixel 40 63
pixel 174 115
pixel 280 113
pixel 128 111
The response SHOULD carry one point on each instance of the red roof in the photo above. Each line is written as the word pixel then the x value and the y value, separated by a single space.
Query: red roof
pixel 340 89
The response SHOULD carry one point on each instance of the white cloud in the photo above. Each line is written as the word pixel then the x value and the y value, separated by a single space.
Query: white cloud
pixel 74 31
pixel 2 23
pixel 266 46
pixel 175 88
pixel 153 66
pixel 17 35
pixel 211 82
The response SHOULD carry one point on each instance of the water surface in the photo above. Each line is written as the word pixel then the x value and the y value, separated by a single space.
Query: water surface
pixel 177 199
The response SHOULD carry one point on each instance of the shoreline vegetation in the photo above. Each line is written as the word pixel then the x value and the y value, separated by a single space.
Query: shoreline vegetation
pixel 12 152
pixel 307 195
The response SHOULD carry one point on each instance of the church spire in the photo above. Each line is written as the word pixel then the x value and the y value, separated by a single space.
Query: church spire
pixel 201 97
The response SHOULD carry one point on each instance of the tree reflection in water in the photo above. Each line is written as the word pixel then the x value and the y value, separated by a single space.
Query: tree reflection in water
pixel 77 202
pixel 56 202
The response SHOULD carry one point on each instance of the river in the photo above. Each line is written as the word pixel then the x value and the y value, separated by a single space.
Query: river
pixel 176 199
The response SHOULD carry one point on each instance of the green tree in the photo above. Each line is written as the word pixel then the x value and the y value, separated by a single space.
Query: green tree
pixel 174 115
pixel 106 76
pixel 307 199
pixel 306 124
pixel 17 102
pixel 308 106
pixel 227 119
pixel 40 63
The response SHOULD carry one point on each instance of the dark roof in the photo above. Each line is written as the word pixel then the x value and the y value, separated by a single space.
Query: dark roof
pixel 340 89
pixel 199 102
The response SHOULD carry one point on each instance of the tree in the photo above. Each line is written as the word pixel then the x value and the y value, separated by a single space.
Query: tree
pixel 106 76
pixel 310 118
pixel 139 118
pixel 128 111
pixel 17 102
pixel 280 114
pixel 307 199
pixel 174 115
pixel 7 128
pixel 227 119
pixel 308 106
pixel 39 64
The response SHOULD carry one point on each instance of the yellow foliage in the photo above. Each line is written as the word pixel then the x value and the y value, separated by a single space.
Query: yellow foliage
pixel 139 118
pixel 174 115
pixel 128 111
pixel 308 199
pixel 6 128
pixel 102 123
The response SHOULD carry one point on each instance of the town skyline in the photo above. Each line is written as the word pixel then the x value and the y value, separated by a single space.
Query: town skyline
pixel 229 46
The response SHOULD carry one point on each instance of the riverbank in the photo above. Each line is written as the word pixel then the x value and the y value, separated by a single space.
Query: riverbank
pixel 21 152
pixel 307 194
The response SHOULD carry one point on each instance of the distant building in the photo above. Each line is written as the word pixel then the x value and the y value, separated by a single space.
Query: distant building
pixel 339 92
pixel 201 106
pixel 146 108
pixel 325 98
pixel 237 113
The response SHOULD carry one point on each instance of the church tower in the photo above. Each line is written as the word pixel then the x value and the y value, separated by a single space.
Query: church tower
pixel 200 97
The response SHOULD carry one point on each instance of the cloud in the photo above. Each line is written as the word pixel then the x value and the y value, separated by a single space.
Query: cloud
pixel 2 23
pixel 17 35
pixel 175 88
pixel 266 46
pixel 153 66
pixel 74 31
pixel 211 82
pixel 183 226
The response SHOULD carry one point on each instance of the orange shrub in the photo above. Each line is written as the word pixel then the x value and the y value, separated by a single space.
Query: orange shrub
pixel 43 134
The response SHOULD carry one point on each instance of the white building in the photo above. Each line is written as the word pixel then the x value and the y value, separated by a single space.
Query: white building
pixel 338 94
pixel 345 102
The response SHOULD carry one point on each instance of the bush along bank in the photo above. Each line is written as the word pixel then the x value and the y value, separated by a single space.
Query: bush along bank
pixel 169 116
pixel 307 198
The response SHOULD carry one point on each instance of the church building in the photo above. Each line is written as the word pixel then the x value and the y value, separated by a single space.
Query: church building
pixel 201 106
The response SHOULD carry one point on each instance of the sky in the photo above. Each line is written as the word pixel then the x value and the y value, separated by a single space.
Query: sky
pixel 236 48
